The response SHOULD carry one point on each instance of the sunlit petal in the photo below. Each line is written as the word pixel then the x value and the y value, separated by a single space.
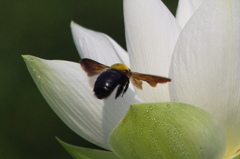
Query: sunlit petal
pixel 98 46
pixel 67 89
pixel 206 65
pixel 151 33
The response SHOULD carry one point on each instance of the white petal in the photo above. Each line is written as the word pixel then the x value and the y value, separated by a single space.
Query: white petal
pixel 151 34
pixel 186 9
pixel 206 65
pixel 98 46
pixel 197 3
pixel 65 86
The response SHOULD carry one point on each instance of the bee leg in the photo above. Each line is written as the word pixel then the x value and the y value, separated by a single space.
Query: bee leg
pixel 123 86
pixel 119 90
pixel 126 86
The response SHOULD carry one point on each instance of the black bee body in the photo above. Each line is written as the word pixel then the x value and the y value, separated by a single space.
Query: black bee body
pixel 107 81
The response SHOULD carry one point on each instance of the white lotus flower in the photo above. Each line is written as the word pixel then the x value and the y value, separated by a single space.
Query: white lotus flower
pixel 202 59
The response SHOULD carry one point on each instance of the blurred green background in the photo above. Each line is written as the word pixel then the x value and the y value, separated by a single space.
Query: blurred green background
pixel 42 28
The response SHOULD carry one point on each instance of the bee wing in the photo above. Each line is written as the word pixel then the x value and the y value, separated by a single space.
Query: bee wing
pixel 137 78
pixel 136 82
pixel 92 67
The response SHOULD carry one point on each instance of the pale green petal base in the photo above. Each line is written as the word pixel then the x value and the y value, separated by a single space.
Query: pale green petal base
pixel 235 156
pixel 85 153
pixel 167 130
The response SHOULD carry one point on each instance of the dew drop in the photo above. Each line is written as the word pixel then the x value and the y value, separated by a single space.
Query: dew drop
pixel 31 60
pixel 38 76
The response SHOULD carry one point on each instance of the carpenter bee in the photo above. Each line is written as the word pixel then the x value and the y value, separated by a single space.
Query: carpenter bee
pixel 117 74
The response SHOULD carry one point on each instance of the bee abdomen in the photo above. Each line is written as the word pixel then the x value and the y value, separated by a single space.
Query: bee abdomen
pixel 106 83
